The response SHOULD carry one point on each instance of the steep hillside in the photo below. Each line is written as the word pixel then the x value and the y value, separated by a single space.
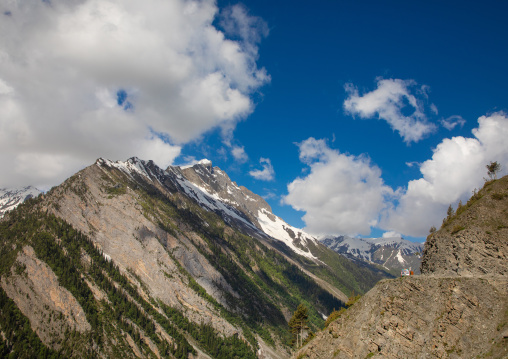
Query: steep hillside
pixel 473 241
pixel 393 254
pixel 124 259
pixel 457 308
pixel 314 258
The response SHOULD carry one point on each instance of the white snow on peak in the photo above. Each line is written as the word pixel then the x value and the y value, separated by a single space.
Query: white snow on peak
pixel 276 229
pixel 133 164
pixel 204 162
pixel 364 247
pixel 10 198
pixel 206 199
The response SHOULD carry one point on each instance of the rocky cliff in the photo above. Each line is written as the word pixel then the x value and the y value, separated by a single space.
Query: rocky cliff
pixel 474 240
pixel 457 308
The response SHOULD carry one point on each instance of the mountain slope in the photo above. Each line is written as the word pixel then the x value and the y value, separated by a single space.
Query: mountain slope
pixel 10 198
pixel 217 183
pixel 474 240
pixel 457 307
pixel 155 266
pixel 392 253
pixel 324 265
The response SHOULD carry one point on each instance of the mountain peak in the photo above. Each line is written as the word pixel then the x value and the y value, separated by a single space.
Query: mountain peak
pixel 204 162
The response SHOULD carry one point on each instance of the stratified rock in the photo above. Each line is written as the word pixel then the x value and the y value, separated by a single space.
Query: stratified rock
pixel 457 308
pixel 475 240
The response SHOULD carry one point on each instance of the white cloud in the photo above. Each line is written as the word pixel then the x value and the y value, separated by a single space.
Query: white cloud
pixel 345 194
pixel 90 78
pixel 239 154
pixel 456 168
pixel 269 194
pixel 342 194
pixel 452 121
pixel 434 109
pixel 391 99
pixel 391 234
pixel 267 173
pixel 412 164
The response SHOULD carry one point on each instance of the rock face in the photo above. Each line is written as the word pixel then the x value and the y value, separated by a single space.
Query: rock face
pixel 123 231
pixel 415 318
pixel 34 288
pixel 475 240
pixel 457 308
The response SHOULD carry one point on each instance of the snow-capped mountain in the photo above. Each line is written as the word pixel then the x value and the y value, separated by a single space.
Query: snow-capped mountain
pixel 392 253
pixel 211 188
pixel 10 198
pixel 217 184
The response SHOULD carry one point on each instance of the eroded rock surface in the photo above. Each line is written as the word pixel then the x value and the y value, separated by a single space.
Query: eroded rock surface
pixel 457 308
pixel 34 287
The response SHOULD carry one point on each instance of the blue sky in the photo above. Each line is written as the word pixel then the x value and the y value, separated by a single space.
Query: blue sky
pixel 313 49
pixel 361 112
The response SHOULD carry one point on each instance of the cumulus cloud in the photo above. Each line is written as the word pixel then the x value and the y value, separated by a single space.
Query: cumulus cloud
pixel 398 102
pixel 239 154
pixel 456 168
pixel 391 234
pixel 342 194
pixel 345 194
pixel 451 122
pixel 90 78
pixel 267 173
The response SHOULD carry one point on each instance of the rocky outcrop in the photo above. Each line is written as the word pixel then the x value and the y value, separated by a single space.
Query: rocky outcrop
pixel 457 308
pixel 474 240
pixel 419 317
pixel 50 308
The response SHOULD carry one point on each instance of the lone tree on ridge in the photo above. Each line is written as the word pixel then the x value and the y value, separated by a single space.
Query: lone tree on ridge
pixel 492 169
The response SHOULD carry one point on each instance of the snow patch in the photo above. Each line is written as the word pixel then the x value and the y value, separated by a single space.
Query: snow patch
pixel 276 228
pixel 399 258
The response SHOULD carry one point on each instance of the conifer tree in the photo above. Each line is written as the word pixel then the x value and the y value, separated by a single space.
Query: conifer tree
pixel 298 323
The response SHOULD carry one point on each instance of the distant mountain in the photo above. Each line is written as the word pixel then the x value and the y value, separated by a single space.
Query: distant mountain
pixel 393 253
pixel 10 198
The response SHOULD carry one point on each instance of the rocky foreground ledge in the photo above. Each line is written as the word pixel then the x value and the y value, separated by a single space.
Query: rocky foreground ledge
pixel 421 317
pixel 457 308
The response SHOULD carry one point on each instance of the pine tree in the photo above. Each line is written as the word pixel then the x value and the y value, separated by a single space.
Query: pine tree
pixel 298 323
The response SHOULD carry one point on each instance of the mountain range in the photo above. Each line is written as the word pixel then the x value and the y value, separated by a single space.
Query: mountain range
pixel 10 198
pixel 125 259
pixel 392 253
